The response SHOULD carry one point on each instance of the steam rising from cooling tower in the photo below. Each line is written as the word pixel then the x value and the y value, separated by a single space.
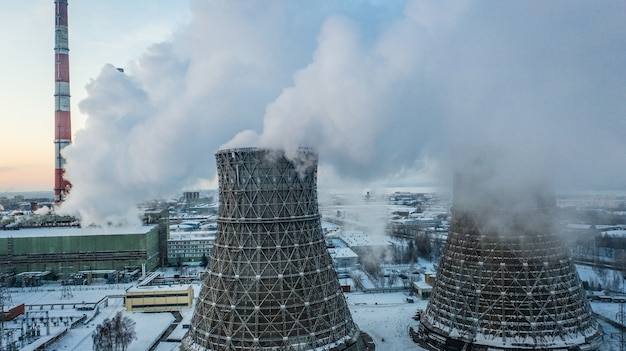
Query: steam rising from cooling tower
pixel 505 280
pixel 270 283
pixel 380 89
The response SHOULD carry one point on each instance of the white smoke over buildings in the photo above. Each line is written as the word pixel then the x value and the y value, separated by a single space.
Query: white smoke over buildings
pixel 381 90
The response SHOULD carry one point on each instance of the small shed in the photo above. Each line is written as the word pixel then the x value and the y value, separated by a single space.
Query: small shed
pixel 344 258
pixel 422 289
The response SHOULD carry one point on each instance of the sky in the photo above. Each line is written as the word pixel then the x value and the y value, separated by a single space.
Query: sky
pixel 389 93
pixel 101 32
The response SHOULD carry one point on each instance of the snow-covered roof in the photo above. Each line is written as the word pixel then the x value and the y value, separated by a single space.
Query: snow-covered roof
pixel 605 227
pixel 169 287
pixel 193 235
pixel 422 285
pixel 356 238
pixel 75 231
pixel 578 226
pixel 342 252
pixel 617 232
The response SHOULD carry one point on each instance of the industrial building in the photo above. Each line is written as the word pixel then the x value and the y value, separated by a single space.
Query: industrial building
pixel 67 250
pixel 344 258
pixel 506 280
pixel 184 247
pixel 422 289
pixel 159 298
pixel 270 283
pixel 364 244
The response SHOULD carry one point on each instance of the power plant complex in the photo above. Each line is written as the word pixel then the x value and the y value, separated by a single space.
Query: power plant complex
pixel 62 118
pixel 270 282
pixel 505 280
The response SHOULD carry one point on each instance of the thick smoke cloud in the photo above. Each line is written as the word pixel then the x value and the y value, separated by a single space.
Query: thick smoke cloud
pixel 382 90
pixel 361 101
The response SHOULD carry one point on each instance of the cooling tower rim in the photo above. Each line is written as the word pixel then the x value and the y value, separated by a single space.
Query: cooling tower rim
pixel 254 149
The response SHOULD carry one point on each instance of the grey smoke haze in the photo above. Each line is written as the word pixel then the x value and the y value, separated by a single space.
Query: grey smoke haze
pixel 491 181
pixel 382 90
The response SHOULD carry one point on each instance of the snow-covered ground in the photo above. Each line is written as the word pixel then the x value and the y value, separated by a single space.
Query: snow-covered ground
pixel 385 316
pixel 51 302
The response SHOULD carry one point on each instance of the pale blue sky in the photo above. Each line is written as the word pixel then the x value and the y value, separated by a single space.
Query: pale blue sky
pixel 101 32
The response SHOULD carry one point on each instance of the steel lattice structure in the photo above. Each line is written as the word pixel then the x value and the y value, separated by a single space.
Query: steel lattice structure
pixel 506 282
pixel 270 283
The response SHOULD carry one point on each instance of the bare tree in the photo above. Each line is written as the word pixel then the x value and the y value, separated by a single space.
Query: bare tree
pixel 102 340
pixel 114 334
pixel 620 263
pixel 393 278
pixel 125 330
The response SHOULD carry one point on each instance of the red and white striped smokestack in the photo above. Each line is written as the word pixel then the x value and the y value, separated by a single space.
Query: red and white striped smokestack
pixel 62 120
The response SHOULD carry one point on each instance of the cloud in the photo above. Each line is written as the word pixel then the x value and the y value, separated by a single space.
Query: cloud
pixel 539 81
pixel 384 91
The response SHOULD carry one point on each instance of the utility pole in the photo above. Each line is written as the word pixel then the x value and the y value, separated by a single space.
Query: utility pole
pixel 65 283
pixel 620 318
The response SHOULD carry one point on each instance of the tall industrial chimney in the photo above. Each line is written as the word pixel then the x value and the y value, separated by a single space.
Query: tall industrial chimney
pixel 270 283
pixel 62 119
pixel 505 280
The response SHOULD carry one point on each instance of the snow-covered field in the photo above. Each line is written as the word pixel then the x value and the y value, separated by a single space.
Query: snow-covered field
pixel 386 317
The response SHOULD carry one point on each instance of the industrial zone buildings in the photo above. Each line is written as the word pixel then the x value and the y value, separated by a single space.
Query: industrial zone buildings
pixel 504 280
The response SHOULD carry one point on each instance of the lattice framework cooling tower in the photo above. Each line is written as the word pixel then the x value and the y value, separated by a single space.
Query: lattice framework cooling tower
pixel 506 281
pixel 270 283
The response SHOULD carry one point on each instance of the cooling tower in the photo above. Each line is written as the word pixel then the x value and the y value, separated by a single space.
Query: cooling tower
pixel 505 280
pixel 270 283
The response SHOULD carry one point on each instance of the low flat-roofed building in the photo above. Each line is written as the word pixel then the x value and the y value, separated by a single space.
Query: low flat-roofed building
pixel 364 244
pixel 357 240
pixel 159 298
pixel 422 289
pixel 344 258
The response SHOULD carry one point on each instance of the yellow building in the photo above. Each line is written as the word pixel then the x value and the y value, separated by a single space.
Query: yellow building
pixel 159 298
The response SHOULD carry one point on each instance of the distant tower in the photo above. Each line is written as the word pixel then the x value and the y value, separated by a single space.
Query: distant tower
pixel 270 283
pixel 505 280
pixel 62 119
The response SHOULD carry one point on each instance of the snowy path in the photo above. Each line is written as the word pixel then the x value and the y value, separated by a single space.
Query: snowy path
pixel 385 316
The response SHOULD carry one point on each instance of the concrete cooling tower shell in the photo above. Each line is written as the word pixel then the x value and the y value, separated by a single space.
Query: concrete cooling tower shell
pixel 505 280
pixel 270 283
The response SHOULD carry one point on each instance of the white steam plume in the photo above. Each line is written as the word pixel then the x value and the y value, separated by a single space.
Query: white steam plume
pixel 378 89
